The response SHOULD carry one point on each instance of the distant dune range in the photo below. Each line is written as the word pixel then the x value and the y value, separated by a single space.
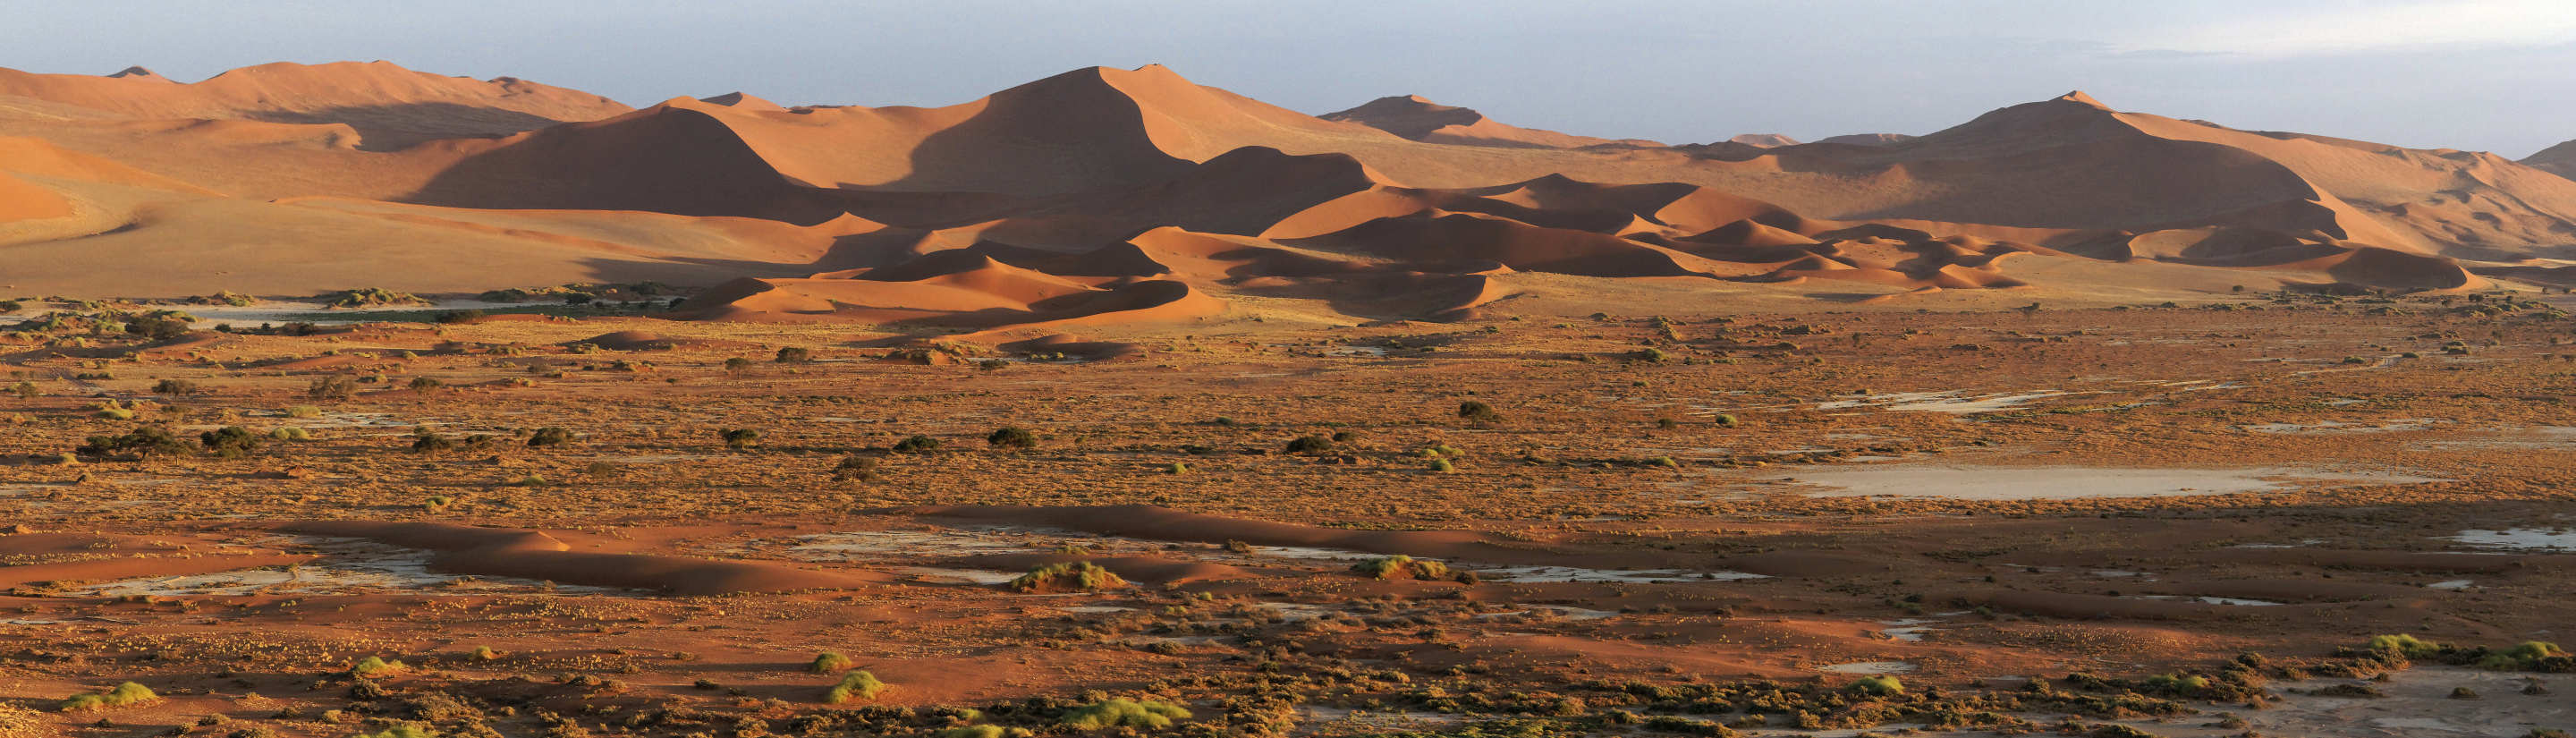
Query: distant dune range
pixel 1104 196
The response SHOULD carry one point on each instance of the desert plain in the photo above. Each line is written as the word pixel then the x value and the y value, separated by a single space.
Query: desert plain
pixel 1114 404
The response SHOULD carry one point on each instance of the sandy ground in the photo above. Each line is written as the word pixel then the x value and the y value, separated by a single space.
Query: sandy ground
pixel 1788 501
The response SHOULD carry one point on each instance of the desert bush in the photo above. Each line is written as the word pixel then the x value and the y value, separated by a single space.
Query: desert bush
pixel 304 411
pixel 457 316
pixel 549 436
pixel 984 731
pixel 1124 713
pixel 855 467
pixel 1443 466
pixel 333 387
pixel 1724 421
pixel 437 503
pixel 290 433
pixel 916 444
pixel 829 663
pixel 2403 645
pixel 1012 437
pixel 145 441
pixel 230 442
pixel 369 297
pixel 483 653
pixel 125 694
pixel 1401 566
pixel 1650 355
pixel 737 365
pixel 376 666
pixel 426 442
pixel 24 390
pixel 794 355
pixel 532 480
pixel 176 387
pixel 1311 445
pixel 400 731
pixel 739 438
pixel 423 384
pixel 1069 577
pixel 1478 412
pixel 855 685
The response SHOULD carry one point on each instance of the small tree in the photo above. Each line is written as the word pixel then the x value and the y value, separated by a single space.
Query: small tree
pixel 231 442
pixel 737 365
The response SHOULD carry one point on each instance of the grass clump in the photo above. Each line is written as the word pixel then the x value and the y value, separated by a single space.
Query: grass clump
pixel 2404 645
pixel 177 387
pixel 125 694
pixel 1012 437
pixel 400 731
pixel 794 355
pixel 739 439
pixel 375 666
pixel 1078 576
pixel 856 685
pixel 290 433
pixel 1401 566
pixel 916 444
pixel 985 731
pixel 1124 713
pixel 829 663
pixel 1881 685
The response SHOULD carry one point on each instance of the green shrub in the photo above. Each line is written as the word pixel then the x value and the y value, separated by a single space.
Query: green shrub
pixel 1725 421
pixel 984 731
pixel 1124 713
pixel 2403 645
pixel 739 438
pixel 1012 437
pixel 290 433
pixel 176 387
pixel 794 355
pixel 369 297
pixel 1880 686
pixel 855 685
pixel 549 436
pixel 854 466
pixel 1079 576
pixel 125 694
pixel 1311 445
pixel 1402 567
pixel 829 663
pixel 424 384
pixel 737 365
pixel 1442 466
pixel 916 444
pixel 400 731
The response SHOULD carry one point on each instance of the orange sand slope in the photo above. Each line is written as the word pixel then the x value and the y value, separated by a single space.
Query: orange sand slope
pixel 1103 196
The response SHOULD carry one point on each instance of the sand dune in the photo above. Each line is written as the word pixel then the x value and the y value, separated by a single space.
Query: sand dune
pixel 1110 195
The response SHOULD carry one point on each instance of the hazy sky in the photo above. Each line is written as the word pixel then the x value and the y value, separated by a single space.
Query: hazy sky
pixel 2495 75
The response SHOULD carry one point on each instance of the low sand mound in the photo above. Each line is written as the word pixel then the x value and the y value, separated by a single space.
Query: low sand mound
pixel 527 554
pixel 1167 524
pixel 1413 117
pixel 392 105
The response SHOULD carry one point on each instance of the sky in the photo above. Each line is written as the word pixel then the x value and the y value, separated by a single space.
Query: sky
pixel 2487 75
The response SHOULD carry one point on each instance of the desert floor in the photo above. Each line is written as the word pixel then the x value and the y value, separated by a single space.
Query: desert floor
pixel 1722 533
